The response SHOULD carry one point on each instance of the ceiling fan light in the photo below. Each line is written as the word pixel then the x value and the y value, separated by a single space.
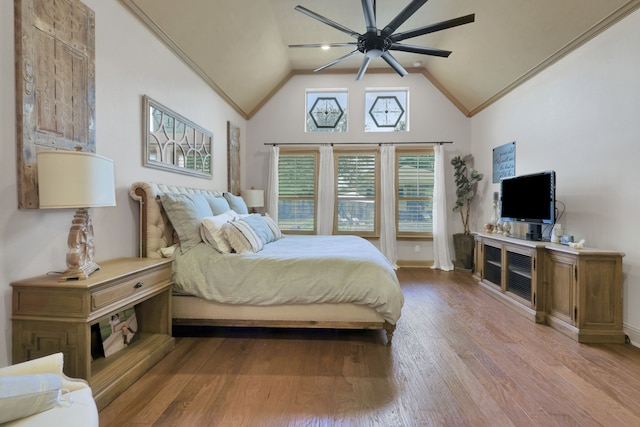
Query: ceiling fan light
pixel 374 53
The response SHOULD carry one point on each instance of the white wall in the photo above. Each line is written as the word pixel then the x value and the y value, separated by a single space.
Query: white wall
pixel 130 62
pixel 431 118
pixel 581 118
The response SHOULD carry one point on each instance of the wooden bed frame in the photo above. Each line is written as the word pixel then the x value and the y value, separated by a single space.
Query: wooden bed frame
pixel 156 232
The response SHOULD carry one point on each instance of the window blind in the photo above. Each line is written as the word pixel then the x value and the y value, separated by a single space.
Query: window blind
pixel 415 192
pixel 356 192
pixel 297 192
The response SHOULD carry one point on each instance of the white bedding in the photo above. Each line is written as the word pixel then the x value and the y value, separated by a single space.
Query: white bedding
pixel 294 270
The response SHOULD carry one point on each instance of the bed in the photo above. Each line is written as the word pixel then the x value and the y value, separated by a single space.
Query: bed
pixel 340 282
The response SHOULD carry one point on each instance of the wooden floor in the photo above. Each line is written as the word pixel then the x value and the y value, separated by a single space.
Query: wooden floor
pixel 458 358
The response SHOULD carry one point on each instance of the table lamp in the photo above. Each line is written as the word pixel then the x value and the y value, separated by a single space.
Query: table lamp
pixel 78 180
pixel 253 199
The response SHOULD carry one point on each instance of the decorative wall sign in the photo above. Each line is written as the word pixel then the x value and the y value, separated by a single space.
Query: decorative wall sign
pixel 504 161
pixel 55 84
pixel 174 143
pixel 233 159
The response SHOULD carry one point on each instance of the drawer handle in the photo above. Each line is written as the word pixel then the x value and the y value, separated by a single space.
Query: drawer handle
pixel 138 285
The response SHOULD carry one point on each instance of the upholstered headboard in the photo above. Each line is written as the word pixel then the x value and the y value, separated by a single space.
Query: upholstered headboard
pixel 156 231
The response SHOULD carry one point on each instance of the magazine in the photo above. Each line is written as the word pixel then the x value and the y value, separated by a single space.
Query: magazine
pixel 118 331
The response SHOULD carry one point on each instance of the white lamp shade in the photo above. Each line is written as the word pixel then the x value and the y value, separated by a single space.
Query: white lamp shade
pixel 253 198
pixel 73 179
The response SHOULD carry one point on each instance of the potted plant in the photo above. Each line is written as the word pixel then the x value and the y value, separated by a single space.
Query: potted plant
pixel 466 179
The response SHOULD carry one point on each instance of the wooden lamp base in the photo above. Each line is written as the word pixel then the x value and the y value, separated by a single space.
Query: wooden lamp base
pixel 81 273
pixel 80 248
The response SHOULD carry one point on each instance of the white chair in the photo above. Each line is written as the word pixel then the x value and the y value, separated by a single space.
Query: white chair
pixel 37 393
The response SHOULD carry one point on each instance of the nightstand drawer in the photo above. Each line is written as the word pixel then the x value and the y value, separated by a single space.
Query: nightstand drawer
pixel 138 284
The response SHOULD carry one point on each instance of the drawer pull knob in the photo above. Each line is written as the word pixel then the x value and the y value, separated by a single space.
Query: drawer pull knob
pixel 138 285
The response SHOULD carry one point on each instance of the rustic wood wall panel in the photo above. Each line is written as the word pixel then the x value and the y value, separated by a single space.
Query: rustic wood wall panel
pixel 233 159
pixel 55 84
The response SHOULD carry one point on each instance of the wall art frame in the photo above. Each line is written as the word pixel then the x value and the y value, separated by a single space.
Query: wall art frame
pixel 55 85
pixel 233 159
pixel 174 143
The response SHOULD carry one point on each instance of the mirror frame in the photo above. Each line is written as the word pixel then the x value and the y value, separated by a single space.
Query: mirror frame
pixel 175 140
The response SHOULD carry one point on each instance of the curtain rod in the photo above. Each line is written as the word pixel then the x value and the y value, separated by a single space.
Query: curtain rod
pixel 359 143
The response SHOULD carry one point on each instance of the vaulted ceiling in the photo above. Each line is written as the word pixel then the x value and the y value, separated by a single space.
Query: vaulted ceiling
pixel 240 47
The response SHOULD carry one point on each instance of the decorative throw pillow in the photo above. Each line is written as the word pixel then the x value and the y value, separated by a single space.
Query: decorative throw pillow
pixel 242 238
pixel 218 204
pixel 212 231
pixel 277 233
pixel 260 227
pixel 185 211
pixel 24 395
pixel 237 203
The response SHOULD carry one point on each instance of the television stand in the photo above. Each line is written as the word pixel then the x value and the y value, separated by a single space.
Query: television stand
pixel 576 291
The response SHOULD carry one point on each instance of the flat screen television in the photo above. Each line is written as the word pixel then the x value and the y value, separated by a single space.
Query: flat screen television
pixel 529 198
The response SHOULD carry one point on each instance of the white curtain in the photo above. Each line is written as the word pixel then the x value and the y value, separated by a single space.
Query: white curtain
pixel 326 190
pixel 441 254
pixel 272 183
pixel 388 244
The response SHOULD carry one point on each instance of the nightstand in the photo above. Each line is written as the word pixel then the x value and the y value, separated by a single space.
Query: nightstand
pixel 51 316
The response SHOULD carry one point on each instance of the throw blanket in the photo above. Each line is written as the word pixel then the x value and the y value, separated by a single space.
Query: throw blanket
pixel 294 270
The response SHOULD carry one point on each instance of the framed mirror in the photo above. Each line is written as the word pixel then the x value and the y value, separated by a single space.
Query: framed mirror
pixel 174 143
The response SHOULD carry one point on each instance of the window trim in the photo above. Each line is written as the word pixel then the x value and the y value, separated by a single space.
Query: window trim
pixel 381 92
pixel 409 235
pixel 304 151
pixel 369 149
pixel 328 93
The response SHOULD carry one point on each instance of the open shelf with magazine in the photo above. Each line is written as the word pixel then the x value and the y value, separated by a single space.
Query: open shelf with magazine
pixel 119 364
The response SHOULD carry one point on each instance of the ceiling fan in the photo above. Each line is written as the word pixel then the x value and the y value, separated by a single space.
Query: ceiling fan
pixel 375 43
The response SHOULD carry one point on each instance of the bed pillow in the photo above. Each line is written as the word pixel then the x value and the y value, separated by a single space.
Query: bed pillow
pixel 168 251
pixel 218 204
pixel 185 211
pixel 242 238
pixel 260 227
pixel 277 233
pixel 29 394
pixel 237 203
pixel 212 231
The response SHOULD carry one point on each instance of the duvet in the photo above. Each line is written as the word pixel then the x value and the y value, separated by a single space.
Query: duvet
pixel 294 270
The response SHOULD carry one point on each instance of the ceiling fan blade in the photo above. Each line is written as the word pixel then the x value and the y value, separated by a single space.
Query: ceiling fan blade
pixel 363 67
pixel 352 44
pixel 433 28
pixel 394 64
pixel 419 49
pixel 369 15
pixel 342 58
pixel 327 21
pixel 402 16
